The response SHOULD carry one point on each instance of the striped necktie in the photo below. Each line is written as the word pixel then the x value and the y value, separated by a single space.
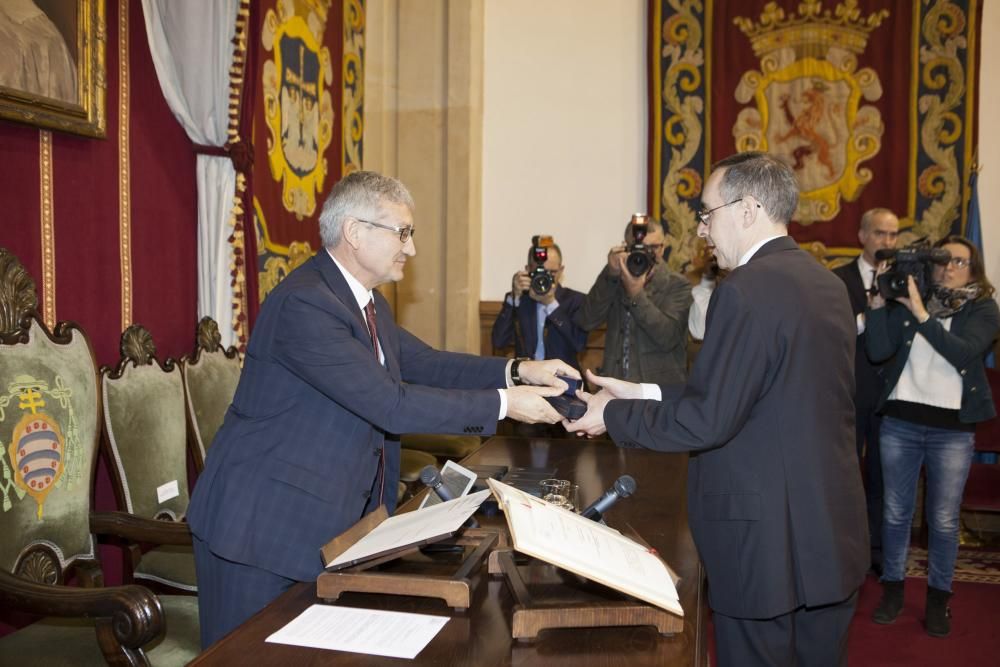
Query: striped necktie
pixel 373 332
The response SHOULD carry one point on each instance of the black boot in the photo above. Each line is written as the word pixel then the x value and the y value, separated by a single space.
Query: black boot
pixel 938 621
pixel 891 603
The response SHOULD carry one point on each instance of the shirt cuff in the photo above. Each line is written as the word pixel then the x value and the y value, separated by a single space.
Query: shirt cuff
pixel 651 391
pixel 503 404
pixel 861 323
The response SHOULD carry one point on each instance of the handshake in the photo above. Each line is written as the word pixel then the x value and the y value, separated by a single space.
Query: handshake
pixel 552 394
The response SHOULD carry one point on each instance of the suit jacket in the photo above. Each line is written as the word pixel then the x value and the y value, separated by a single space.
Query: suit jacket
pixel 296 460
pixel 563 338
pixel 891 331
pixel 867 375
pixel 657 333
pixel 775 501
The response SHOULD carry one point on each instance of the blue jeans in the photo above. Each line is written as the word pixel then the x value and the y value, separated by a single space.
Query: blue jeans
pixel 946 454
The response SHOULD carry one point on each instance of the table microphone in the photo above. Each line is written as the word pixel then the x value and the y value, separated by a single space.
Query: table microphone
pixel 431 477
pixel 623 487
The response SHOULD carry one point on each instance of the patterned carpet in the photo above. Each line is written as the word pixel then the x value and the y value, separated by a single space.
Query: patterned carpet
pixel 975 566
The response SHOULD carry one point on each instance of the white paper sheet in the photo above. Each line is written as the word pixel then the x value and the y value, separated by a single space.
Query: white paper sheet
pixel 390 633
pixel 413 527
pixel 459 481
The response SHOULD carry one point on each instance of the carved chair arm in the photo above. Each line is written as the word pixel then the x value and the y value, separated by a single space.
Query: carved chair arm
pixel 133 613
pixel 139 529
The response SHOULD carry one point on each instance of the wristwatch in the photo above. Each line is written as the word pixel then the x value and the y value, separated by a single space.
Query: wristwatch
pixel 515 377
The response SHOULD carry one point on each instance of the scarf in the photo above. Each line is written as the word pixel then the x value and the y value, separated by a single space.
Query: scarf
pixel 945 301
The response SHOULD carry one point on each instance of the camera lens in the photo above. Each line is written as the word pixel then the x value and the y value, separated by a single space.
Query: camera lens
pixel 638 262
pixel 541 281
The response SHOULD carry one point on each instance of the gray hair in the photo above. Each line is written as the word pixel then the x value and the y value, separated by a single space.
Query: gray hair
pixel 869 217
pixel 361 195
pixel 764 177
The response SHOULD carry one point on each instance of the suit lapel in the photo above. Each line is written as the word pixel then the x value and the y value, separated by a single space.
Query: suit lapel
pixel 387 336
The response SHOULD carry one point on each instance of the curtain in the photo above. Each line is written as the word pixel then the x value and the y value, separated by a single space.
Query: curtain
pixel 191 42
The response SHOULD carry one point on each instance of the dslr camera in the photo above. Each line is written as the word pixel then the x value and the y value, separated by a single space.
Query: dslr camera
pixel 640 257
pixel 541 279
pixel 915 260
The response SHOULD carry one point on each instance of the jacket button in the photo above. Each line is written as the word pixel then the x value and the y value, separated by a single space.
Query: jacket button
pixel 909 343
pixel 972 390
pixel 377 452
pixel 962 372
pixel 906 323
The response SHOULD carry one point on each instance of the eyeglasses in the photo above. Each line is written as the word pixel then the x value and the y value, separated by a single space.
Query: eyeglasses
pixel 960 262
pixel 703 215
pixel 404 232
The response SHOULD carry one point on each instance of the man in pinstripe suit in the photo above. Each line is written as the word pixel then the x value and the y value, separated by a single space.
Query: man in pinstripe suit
pixel 309 444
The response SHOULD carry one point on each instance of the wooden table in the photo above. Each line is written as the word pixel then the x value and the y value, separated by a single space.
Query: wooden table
pixel 481 637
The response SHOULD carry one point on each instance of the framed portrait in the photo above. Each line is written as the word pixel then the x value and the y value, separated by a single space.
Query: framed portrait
pixel 52 72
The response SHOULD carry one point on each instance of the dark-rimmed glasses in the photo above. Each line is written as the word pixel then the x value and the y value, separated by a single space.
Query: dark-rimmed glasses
pixel 704 216
pixel 405 232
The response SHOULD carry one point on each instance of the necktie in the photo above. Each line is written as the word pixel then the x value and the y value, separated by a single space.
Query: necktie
pixel 373 332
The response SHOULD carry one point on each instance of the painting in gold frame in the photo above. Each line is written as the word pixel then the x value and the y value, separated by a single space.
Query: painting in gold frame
pixel 52 73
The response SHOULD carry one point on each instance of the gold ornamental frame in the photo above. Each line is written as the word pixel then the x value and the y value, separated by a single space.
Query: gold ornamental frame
pixel 85 116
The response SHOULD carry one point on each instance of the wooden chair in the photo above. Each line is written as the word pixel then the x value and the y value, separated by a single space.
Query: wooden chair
pixel 50 411
pixel 145 440
pixel 210 377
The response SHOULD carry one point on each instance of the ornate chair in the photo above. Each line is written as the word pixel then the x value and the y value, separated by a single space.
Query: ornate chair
pixel 49 433
pixel 146 443
pixel 210 378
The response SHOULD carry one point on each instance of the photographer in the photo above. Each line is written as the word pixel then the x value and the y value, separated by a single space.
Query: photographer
pixel 935 393
pixel 537 314
pixel 646 314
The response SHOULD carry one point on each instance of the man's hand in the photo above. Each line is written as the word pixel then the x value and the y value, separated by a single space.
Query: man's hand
pixel 545 373
pixel 616 259
pixel 520 284
pixel 590 424
pixel 527 404
pixel 617 388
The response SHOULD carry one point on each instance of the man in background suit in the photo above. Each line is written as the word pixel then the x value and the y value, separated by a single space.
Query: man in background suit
pixel 541 326
pixel 310 443
pixel 775 503
pixel 879 231
pixel 646 315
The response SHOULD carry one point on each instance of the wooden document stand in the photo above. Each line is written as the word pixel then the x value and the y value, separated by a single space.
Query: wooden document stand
pixel 405 577
pixel 564 600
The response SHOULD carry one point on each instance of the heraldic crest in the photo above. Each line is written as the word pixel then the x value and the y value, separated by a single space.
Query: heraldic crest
pixel 43 454
pixel 807 99
pixel 298 107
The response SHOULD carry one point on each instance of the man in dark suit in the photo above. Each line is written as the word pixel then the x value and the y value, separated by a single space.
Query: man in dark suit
pixel 310 443
pixel 878 231
pixel 540 326
pixel 775 502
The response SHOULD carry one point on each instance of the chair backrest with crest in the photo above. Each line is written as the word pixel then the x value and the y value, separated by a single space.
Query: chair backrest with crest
pixel 49 435
pixel 210 375
pixel 145 430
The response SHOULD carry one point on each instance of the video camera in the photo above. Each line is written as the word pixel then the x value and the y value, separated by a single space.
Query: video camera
pixel 914 260
pixel 541 279
pixel 641 257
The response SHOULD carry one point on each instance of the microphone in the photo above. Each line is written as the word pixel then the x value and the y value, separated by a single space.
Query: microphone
pixel 431 477
pixel 623 487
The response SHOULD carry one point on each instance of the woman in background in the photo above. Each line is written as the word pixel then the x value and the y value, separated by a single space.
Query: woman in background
pixel 935 393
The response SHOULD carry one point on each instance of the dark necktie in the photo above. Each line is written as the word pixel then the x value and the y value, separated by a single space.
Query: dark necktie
pixel 373 332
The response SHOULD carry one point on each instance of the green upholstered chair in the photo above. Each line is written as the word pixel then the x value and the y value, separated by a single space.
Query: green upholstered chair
pixel 455 447
pixel 411 462
pixel 210 376
pixel 49 434
pixel 146 444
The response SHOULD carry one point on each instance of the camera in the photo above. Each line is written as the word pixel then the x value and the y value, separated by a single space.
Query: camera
pixel 914 260
pixel 640 257
pixel 541 279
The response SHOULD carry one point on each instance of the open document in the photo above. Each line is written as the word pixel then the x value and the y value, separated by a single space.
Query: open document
pixel 389 633
pixel 412 528
pixel 584 547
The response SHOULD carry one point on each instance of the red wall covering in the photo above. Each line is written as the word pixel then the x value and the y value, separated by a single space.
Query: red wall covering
pixel 87 220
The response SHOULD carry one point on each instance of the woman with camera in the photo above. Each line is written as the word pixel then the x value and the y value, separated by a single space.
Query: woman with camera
pixel 935 393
